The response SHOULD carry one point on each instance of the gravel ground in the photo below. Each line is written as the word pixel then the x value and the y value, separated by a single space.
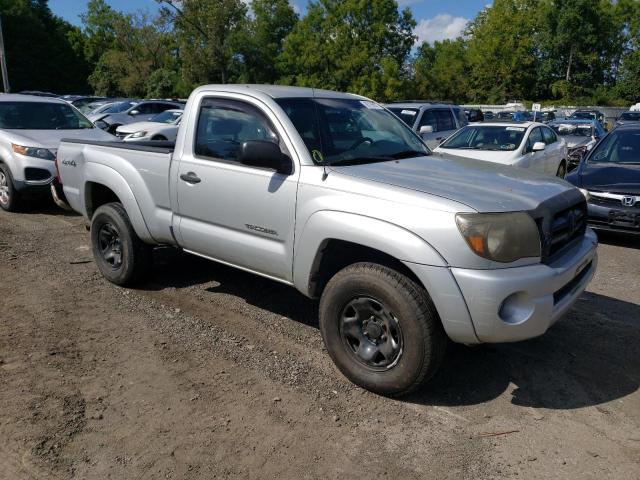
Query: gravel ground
pixel 206 372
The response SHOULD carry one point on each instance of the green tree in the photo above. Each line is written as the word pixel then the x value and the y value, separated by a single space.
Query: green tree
pixel 441 71
pixel 206 30
pixel 260 42
pixel 360 46
pixel 502 52
pixel 43 51
pixel 628 67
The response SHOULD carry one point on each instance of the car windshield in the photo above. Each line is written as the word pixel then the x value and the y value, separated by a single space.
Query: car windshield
pixel 167 117
pixel 346 131
pixel 485 137
pixel 584 115
pixel 620 146
pixel 407 115
pixel 41 116
pixel 573 129
pixel 632 116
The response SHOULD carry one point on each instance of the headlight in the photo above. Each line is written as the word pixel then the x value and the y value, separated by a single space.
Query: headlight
pixel 138 134
pixel 585 192
pixel 101 124
pixel 578 152
pixel 501 237
pixel 35 152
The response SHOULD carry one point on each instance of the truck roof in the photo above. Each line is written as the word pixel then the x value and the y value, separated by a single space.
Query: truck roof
pixel 280 91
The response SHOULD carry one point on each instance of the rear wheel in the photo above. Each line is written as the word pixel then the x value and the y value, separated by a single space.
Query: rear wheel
pixel 381 329
pixel 9 196
pixel 562 169
pixel 120 255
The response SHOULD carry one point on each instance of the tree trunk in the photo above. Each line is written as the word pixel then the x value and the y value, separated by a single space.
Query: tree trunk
pixel 568 76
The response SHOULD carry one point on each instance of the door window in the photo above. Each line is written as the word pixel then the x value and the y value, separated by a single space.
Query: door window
pixel 224 125
pixel 549 136
pixel 534 137
pixel 439 119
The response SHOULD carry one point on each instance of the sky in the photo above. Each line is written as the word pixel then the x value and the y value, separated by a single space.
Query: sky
pixel 437 19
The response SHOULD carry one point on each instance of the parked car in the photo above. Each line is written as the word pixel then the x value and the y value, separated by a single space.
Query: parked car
pixel 30 131
pixel 93 107
pixel 504 115
pixel 489 115
pixel 526 145
pixel 587 114
pixel 580 135
pixel 522 116
pixel 334 195
pixel 474 115
pixel 162 127
pixel 546 116
pixel 434 122
pixel 609 177
pixel 80 101
pixel 137 111
pixel 628 118
pixel 37 93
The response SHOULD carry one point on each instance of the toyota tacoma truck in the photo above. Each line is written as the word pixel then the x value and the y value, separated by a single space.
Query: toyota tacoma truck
pixel 334 195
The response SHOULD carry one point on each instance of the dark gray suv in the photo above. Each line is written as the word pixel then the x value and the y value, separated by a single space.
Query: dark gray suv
pixel 434 122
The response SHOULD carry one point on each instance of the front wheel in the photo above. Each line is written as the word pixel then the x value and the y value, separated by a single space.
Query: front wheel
pixel 120 255
pixel 9 196
pixel 381 329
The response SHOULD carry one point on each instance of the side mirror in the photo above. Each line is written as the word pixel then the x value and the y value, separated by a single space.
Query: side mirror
pixel 425 129
pixel 134 112
pixel 538 147
pixel 265 154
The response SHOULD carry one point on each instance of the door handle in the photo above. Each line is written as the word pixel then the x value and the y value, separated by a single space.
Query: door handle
pixel 190 177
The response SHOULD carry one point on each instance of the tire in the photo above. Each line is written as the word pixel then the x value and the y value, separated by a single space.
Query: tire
pixel 562 170
pixel 404 315
pixel 121 256
pixel 9 196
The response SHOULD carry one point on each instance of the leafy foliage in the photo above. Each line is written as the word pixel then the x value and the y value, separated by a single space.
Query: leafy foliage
pixel 579 51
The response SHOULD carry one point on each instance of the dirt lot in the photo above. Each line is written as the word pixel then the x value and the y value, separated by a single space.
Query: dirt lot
pixel 206 372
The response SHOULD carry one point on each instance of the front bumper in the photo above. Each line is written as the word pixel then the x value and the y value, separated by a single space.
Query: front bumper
pixel 619 218
pixel 32 173
pixel 512 304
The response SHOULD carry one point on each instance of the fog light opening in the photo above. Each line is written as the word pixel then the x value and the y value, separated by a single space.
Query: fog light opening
pixel 516 308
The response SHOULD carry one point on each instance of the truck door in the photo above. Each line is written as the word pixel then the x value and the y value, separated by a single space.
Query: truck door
pixel 237 214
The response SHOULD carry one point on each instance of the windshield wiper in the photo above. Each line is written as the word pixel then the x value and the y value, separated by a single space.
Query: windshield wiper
pixel 360 161
pixel 409 154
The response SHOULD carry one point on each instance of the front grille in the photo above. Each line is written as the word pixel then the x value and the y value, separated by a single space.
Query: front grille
pixel 561 229
pixel 610 202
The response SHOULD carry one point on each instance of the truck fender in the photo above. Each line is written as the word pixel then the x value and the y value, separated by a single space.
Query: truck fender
pixel 370 232
pixel 110 178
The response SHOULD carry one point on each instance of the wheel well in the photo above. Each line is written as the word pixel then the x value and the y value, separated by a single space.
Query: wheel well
pixel 335 255
pixel 97 195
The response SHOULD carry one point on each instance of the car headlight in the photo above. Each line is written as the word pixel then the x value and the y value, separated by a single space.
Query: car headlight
pixel 578 152
pixel 35 152
pixel 501 237
pixel 101 124
pixel 138 134
pixel 585 192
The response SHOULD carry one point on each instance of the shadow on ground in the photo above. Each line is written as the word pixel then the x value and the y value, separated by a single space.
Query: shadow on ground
pixel 590 357
pixel 619 239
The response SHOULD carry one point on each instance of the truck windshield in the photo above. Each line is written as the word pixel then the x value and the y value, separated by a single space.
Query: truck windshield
pixel 41 116
pixel 407 115
pixel 498 138
pixel 346 131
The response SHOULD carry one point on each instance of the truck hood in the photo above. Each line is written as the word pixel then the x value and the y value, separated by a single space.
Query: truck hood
pixel 482 186
pixel 50 139
pixel 506 157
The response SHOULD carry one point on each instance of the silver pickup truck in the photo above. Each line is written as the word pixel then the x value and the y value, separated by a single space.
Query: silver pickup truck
pixel 334 195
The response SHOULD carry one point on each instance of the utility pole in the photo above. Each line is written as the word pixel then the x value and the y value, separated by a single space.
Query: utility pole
pixel 3 62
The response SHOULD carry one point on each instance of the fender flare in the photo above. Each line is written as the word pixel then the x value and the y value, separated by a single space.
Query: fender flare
pixel 110 178
pixel 380 235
